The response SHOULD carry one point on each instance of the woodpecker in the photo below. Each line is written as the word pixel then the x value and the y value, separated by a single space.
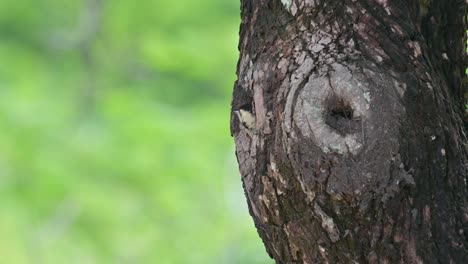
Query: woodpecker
pixel 246 117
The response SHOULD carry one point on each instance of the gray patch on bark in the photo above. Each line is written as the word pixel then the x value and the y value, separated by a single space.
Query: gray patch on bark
pixel 260 110
pixel 296 79
pixel 328 224
pixel 312 106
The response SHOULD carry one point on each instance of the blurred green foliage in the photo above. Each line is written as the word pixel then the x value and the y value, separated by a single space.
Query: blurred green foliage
pixel 114 133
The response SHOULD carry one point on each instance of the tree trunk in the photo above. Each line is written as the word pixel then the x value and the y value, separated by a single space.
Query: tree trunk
pixel 359 153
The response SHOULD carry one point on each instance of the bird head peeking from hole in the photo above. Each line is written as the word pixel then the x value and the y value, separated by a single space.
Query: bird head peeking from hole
pixel 246 117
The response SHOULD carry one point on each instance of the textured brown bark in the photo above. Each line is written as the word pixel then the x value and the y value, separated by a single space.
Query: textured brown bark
pixel 360 153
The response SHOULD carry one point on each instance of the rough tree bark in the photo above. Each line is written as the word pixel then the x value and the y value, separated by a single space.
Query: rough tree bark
pixel 360 154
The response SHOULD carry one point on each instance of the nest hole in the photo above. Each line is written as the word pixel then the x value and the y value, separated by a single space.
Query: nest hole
pixel 340 116
pixel 342 110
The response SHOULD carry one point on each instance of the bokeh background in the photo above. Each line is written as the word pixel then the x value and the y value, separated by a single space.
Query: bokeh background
pixel 114 133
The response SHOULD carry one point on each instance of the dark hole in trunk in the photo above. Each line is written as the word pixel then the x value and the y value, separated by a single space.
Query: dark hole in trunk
pixel 342 111
pixel 340 116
